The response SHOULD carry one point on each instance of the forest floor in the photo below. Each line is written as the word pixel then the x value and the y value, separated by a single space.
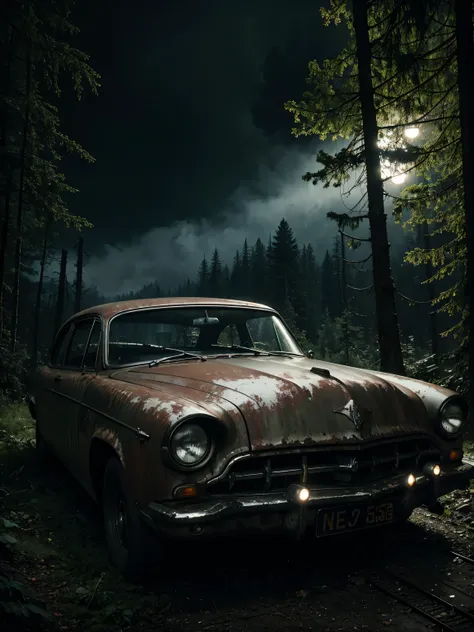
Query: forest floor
pixel 250 585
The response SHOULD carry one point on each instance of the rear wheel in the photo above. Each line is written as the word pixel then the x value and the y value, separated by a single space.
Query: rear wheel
pixel 132 546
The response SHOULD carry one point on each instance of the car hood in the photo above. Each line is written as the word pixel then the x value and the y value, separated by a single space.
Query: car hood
pixel 289 402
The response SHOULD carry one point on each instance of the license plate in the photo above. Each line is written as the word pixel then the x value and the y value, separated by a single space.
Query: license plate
pixel 347 519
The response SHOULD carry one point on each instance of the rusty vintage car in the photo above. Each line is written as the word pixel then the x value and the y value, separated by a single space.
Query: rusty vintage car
pixel 194 418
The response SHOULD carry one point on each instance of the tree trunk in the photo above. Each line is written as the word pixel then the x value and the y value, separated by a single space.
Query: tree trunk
pixel 16 283
pixel 61 293
pixel 79 268
pixel 434 335
pixel 465 58
pixel 4 246
pixel 387 322
pixel 6 175
pixel 39 292
pixel 345 306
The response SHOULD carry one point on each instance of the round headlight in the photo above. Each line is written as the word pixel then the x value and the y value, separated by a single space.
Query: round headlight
pixel 453 417
pixel 190 444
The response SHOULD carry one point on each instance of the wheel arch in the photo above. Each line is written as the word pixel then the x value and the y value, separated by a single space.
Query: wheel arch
pixel 100 451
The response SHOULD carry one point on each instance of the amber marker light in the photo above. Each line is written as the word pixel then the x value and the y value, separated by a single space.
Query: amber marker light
pixel 186 491
pixel 456 455
pixel 411 480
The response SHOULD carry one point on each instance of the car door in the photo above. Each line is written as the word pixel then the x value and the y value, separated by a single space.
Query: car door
pixel 84 422
pixel 45 379
pixel 69 384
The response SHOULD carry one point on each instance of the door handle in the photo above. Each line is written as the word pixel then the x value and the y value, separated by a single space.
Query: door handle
pixel 57 378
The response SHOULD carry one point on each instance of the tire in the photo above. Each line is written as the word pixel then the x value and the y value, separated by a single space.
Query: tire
pixel 133 549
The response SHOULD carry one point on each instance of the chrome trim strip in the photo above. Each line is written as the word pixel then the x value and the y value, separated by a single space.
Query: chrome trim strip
pixel 141 434
pixel 182 514
pixel 304 469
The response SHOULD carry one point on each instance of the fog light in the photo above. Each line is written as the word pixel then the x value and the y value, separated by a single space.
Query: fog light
pixel 303 494
pixel 298 494
pixel 411 480
pixel 436 470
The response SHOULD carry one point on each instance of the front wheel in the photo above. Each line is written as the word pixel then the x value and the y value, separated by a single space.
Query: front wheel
pixel 132 547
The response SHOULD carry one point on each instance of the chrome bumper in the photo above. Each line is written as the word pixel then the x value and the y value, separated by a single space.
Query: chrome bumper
pixel 281 512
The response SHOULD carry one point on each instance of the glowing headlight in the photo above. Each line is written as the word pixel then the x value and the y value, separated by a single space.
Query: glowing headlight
pixel 453 417
pixel 190 444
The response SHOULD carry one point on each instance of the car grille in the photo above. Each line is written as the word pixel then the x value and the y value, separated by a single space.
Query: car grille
pixel 335 466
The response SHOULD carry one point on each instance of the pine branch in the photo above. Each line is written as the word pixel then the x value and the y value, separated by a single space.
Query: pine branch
pixel 410 300
pixel 415 88
pixel 418 120
pixel 361 289
pixel 356 262
pixel 343 220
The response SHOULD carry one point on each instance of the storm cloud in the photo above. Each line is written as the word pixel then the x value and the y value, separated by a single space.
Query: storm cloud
pixel 171 255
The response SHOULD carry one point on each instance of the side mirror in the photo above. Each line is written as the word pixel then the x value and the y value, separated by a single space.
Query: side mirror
pixel 310 354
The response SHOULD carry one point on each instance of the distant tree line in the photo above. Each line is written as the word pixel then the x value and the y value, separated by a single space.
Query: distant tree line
pixel 360 301
pixel 325 297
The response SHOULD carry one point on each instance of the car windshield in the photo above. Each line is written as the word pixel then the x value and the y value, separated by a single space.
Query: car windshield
pixel 148 335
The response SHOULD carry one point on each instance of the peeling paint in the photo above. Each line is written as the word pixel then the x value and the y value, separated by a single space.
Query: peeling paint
pixel 260 405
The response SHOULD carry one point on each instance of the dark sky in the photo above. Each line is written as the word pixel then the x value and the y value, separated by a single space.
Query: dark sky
pixel 188 127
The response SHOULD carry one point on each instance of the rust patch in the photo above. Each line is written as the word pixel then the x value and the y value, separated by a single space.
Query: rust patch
pixel 262 403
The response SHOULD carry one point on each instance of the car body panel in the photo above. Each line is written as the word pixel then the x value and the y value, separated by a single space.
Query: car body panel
pixel 262 407
pixel 285 404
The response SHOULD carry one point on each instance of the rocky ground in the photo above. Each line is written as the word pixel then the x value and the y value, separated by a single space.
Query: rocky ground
pixel 253 585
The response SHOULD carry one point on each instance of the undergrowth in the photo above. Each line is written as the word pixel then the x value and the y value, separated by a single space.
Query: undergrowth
pixel 54 569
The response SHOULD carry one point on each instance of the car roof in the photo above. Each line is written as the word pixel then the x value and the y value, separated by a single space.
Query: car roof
pixel 108 310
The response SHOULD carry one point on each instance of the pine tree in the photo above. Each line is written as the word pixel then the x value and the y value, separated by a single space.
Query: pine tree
pixel 343 103
pixel 246 288
pixel 285 272
pixel 203 278
pixel 226 281
pixel 215 275
pixel 236 277
pixel 328 285
pixel 258 272
pixel 312 283
pixel 465 62
pixel 31 141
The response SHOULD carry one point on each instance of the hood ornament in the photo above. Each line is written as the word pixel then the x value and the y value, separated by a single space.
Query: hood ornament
pixel 352 412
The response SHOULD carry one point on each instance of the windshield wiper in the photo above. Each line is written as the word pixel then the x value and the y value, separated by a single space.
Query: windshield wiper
pixel 256 351
pixel 241 348
pixel 179 354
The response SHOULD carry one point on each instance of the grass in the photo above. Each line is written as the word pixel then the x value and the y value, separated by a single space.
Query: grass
pixel 60 551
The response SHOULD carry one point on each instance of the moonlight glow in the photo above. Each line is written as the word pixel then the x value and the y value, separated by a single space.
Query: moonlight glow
pixel 399 178
pixel 412 132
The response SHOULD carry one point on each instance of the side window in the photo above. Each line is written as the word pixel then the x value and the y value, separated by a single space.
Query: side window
pixel 263 333
pixel 90 358
pixel 229 336
pixel 58 354
pixel 78 344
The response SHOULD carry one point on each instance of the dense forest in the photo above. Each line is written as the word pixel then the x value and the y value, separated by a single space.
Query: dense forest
pixel 395 93
pixel 398 98
pixel 326 298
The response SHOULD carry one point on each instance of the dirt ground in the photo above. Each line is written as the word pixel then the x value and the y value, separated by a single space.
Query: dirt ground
pixel 253 585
